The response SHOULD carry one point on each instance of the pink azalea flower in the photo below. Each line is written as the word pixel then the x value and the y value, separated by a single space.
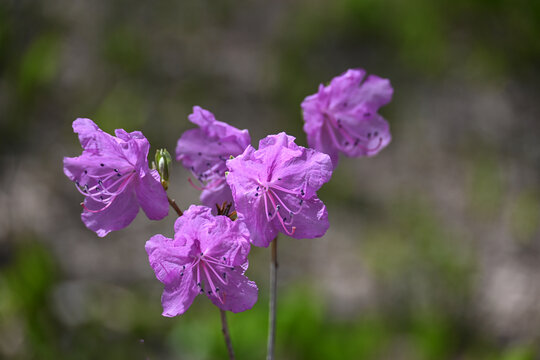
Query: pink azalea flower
pixel 207 255
pixel 274 189
pixel 342 117
pixel 204 152
pixel 113 174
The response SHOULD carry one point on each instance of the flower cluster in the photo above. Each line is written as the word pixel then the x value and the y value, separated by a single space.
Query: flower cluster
pixel 271 190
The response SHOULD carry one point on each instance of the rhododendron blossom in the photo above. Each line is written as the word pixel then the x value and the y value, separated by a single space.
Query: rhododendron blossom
pixel 274 189
pixel 113 175
pixel 342 117
pixel 207 255
pixel 205 150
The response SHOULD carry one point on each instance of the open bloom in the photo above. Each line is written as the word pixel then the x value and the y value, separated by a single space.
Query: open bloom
pixel 342 117
pixel 205 150
pixel 208 255
pixel 113 174
pixel 274 189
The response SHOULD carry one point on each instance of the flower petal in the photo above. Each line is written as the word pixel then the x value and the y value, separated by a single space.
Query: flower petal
pixel 217 195
pixel 177 299
pixel 312 221
pixel 226 241
pixel 152 197
pixel 307 172
pixel 374 93
pixel 240 294
pixel 168 258
pixel 118 215
pixel 371 134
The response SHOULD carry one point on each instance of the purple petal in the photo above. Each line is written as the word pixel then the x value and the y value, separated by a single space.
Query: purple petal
pixel 194 217
pixel 374 93
pixel 312 221
pixel 211 144
pixel 176 300
pixel 168 257
pixel 170 260
pixel 93 140
pixel 343 88
pixel 240 294
pixel 323 142
pixel 307 172
pixel 152 197
pixel 225 240
pixel 371 135
pixel 135 146
pixel 217 195
pixel 118 215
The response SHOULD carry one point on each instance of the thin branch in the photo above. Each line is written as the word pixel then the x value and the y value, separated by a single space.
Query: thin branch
pixel 226 335
pixel 174 206
pixel 272 303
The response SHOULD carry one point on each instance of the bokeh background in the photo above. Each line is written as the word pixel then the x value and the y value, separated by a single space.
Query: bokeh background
pixel 434 245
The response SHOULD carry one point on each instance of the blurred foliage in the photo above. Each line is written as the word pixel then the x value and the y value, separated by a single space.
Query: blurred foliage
pixel 125 324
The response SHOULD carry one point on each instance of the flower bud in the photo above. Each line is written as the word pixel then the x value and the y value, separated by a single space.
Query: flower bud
pixel 163 165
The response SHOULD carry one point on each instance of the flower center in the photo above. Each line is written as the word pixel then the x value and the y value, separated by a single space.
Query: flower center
pixel 104 185
pixel 213 272
pixel 275 206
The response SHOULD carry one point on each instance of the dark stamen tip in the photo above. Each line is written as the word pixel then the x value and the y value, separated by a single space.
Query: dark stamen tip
pixel 200 153
pixel 102 165
pixel 115 170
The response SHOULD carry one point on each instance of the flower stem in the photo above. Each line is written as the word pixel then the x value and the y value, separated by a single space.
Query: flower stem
pixel 272 303
pixel 174 206
pixel 226 335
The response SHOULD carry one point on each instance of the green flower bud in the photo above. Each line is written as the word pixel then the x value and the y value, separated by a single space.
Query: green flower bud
pixel 163 165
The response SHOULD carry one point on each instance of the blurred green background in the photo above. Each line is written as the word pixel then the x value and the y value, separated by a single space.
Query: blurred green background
pixel 434 245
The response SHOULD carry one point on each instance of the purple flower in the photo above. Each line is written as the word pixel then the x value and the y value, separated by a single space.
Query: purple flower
pixel 113 174
pixel 207 255
pixel 342 117
pixel 205 150
pixel 274 189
